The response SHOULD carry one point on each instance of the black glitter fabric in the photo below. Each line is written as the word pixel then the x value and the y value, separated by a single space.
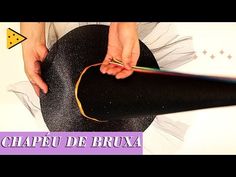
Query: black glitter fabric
pixel 66 60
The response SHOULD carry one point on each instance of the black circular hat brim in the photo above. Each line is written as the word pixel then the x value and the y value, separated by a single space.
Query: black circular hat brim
pixel 61 69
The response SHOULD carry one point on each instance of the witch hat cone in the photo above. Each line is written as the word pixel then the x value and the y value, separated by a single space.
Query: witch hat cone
pixel 150 92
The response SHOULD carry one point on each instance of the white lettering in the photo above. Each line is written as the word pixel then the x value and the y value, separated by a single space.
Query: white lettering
pixel 5 141
pixel 76 141
pixel 56 141
pixel 137 142
pixel 26 142
pixel 97 141
pixel 127 142
pixel 107 141
pixel 16 141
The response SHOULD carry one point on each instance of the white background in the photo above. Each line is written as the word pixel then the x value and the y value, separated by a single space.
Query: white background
pixel 212 130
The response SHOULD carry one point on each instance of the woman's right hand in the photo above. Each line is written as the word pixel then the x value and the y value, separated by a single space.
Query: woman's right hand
pixel 34 53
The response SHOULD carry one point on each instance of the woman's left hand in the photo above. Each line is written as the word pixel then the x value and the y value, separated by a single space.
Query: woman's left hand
pixel 123 44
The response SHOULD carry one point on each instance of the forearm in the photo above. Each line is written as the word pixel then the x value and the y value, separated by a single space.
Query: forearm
pixel 127 24
pixel 34 31
pixel 34 52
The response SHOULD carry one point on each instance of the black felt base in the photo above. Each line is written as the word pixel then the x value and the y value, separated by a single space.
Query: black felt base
pixel 76 50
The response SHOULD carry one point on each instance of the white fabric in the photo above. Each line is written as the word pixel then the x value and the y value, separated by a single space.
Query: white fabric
pixel 25 92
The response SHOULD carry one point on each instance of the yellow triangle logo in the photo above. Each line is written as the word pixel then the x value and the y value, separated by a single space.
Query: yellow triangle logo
pixel 14 38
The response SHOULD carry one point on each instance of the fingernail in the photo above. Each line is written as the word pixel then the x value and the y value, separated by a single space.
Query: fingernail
pixel 118 77
pixel 102 71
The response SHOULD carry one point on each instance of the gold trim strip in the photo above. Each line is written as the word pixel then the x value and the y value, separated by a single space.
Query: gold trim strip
pixel 76 94
pixel 113 61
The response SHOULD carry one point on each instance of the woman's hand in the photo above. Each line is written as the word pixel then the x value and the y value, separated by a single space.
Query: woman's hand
pixel 34 52
pixel 123 44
